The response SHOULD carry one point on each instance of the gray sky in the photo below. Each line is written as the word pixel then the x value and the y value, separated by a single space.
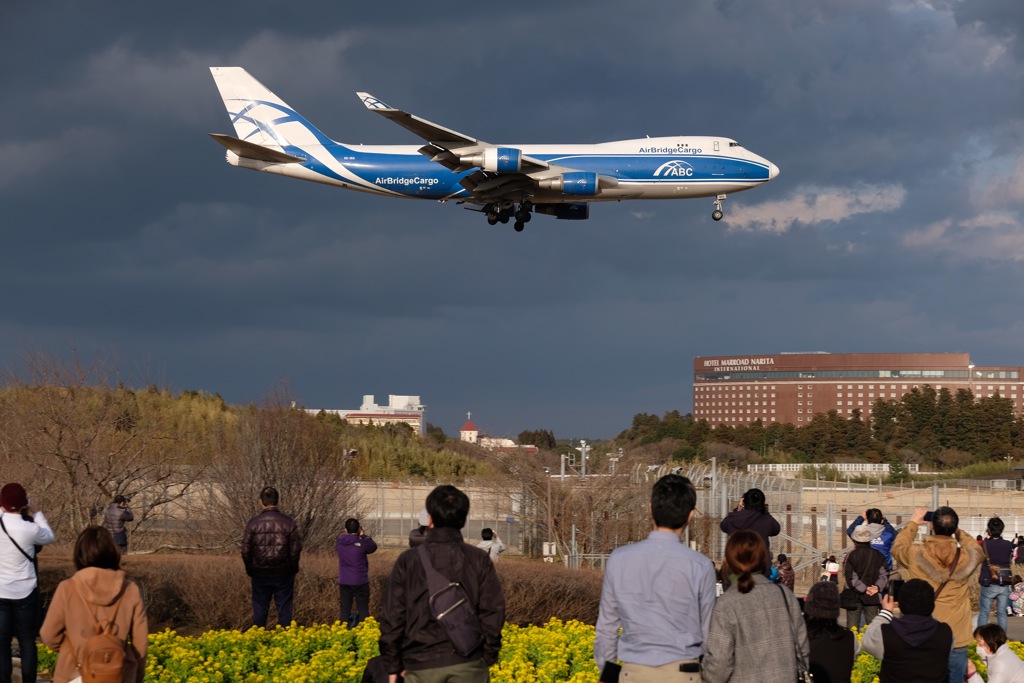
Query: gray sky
pixel 895 225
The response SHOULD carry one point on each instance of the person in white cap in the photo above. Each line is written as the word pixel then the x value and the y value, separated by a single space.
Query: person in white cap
pixel 866 574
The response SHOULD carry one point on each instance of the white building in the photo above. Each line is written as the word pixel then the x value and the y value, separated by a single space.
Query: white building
pixel 399 410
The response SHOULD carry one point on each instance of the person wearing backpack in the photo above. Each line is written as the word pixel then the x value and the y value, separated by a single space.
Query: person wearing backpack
pixel 413 642
pixel 96 622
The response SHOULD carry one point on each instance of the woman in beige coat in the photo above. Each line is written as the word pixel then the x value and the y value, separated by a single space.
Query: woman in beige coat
pixel 98 590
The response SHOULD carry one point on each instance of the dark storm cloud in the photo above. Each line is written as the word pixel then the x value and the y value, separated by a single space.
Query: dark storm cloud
pixel 894 226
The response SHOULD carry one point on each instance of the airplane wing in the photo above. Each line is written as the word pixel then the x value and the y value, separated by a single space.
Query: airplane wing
pixel 451 149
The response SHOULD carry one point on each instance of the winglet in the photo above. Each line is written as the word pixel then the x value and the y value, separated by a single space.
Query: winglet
pixel 372 102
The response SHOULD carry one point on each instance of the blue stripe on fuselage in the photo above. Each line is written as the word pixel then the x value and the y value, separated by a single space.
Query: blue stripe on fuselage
pixel 414 175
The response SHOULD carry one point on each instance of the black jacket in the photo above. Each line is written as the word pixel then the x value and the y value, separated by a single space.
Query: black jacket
pixel 271 544
pixel 410 638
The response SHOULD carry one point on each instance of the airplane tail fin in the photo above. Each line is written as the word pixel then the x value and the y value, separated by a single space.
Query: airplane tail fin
pixel 259 116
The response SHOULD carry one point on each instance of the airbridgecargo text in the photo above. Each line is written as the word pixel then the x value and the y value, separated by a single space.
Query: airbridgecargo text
pixel 407 181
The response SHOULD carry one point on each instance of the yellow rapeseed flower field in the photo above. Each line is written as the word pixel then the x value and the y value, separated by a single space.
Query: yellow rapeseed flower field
pixel 557 652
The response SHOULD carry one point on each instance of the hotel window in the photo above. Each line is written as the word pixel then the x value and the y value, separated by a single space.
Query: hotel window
pixel 904 386
pixel 800 395
pixel 860 386
pixel 871 386
pixel 799 403
pixel 799 419
pixel 810 402
pixel 849 395
pixel 871 395
pixel 799 410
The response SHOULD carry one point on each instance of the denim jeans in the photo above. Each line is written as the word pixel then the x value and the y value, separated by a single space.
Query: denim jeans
pixel 1001 594
pixel 281 589
pixel 19 618
pixel 957 665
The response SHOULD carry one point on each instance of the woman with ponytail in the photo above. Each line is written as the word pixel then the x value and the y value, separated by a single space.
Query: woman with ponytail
pixel 756 627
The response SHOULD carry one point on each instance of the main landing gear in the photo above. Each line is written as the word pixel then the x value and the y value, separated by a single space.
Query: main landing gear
pixel 502 214
pixel 717 213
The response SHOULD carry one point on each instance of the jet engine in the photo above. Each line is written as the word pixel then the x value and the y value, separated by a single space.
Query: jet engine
pixel 496 159
pixel 575 183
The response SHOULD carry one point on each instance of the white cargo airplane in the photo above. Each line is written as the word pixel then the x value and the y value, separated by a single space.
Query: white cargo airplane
pixel 504 181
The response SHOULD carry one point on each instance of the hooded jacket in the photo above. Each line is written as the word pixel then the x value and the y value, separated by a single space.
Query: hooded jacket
pixel 71 619
pixel 759 522
pixel 913 649
pixel 931 560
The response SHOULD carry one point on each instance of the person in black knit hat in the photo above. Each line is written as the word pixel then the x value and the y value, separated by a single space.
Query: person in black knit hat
pixel 834 649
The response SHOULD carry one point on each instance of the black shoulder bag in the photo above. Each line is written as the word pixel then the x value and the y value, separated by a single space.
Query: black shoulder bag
pixel 451 607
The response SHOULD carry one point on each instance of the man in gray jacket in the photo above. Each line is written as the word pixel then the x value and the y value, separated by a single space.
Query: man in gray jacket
pixel 114 520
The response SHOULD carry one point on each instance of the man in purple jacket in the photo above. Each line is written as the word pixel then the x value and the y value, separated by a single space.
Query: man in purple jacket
pixel 354 571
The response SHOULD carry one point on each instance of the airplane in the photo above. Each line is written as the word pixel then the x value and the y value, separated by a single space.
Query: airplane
pixel 503 181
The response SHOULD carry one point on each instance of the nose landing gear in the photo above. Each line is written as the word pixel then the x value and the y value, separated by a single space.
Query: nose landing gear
pixel 717 213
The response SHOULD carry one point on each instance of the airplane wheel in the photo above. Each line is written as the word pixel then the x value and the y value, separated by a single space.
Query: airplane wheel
pixel 503 218
pixel 492 219
pixel 523 216
pixel 717 215
pixel 519 225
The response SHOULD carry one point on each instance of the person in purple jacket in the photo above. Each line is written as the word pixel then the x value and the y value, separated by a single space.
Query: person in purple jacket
pixel 752 514
pixel 354 572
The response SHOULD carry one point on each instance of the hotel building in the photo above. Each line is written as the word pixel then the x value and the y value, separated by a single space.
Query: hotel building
pixel 792 387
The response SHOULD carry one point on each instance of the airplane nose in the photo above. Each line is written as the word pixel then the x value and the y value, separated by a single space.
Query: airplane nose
pixel 773 171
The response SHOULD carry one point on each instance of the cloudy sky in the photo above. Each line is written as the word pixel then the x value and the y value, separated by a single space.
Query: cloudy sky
pixel 895 225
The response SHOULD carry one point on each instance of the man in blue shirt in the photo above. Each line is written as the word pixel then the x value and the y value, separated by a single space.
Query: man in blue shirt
pixel 661 593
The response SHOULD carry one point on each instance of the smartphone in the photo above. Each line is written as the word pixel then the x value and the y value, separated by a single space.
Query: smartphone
pixel 928 516
pixel 893 589
pixel 690 667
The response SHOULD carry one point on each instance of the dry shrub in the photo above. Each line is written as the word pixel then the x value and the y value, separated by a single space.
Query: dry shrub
pixel 195 593
pixel 535 592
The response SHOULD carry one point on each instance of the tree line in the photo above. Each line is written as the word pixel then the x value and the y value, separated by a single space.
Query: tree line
pixel 933 428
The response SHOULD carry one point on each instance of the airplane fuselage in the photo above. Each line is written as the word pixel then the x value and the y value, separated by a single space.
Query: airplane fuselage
pixel 646 168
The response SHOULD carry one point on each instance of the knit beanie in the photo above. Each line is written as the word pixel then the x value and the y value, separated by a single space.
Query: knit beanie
pixel 917 597
pixel 13 497
pixel 822 601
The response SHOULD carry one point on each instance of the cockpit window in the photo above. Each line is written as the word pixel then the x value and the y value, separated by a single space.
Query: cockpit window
pixel 735 144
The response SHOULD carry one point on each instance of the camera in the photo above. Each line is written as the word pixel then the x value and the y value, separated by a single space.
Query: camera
pixel 928 516
pixel 893 589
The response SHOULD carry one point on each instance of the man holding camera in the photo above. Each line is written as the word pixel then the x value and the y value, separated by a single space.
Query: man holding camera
pixel 114 519
pixel 947 560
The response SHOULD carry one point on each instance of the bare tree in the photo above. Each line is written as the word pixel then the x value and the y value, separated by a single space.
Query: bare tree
pixel 77 439
pixel 305 459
